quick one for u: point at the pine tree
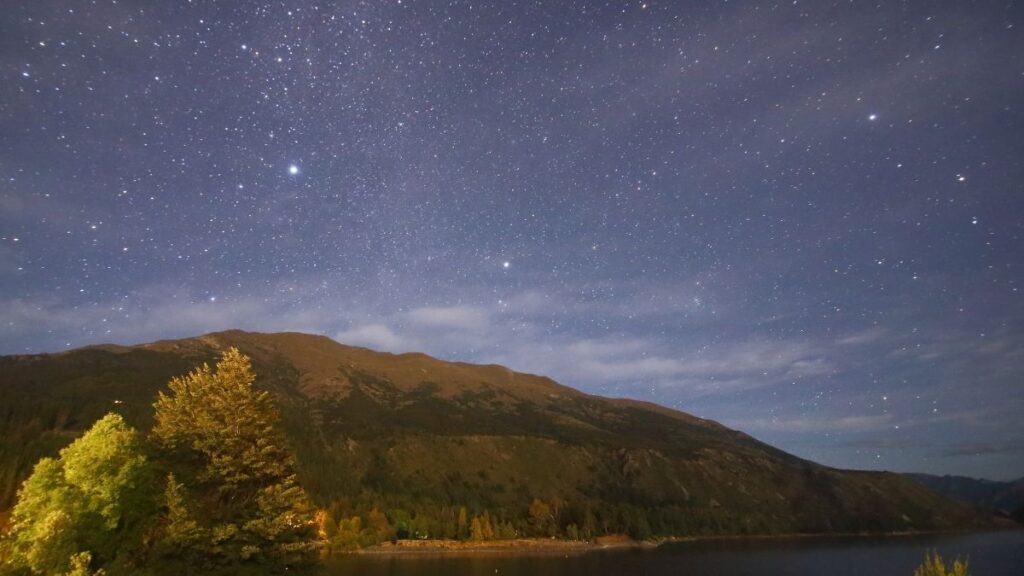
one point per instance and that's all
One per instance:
(182, 532)
(572, 532)
(463, 526)
(280, 509)
(476, 529)
(589, 529)
(486, 527)
(217, 415)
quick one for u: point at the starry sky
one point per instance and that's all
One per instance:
(801, 219)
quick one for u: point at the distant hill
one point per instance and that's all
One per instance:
(420, 438)
(1006, 497)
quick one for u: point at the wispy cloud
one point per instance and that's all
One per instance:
(375, 336)
(153, 313)
(981, 448)
(494, 333)
(469, 318)
(854, 423)
(701, 371)
(868, 336)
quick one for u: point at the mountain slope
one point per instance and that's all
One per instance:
(1007, 497)
(417, 436)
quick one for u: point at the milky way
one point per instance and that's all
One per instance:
(801, 219)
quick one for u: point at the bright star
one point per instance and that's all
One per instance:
(873, 117)
(506, 264)
(293, 169)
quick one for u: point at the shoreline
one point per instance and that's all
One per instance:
(548, 546)
(518, 546)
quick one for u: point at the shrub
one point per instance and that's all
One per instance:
(935, 566)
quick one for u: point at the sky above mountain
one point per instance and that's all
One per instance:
(801, 219)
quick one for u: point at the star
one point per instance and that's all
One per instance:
(506, 264)
(293, 169)
(872, 117)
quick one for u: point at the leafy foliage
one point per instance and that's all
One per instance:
(935, 566)
(80, 565)
(87, 503)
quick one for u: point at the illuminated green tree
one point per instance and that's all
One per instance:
(216, 417)
(85, 506)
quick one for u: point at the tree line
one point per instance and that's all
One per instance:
(210, 488)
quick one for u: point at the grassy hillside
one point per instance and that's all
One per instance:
(420, 439)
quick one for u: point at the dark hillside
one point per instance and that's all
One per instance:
(1005, 497)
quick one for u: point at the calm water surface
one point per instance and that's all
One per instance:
(991, 554)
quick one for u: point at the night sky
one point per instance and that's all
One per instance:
(801, 219)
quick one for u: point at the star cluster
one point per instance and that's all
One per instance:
(801, 219)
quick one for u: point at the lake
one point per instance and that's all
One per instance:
(990, 554)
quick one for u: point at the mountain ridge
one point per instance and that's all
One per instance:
(420, 438)
(1006, 497)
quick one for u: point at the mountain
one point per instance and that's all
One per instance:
(1006, 497)
(420, 438)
